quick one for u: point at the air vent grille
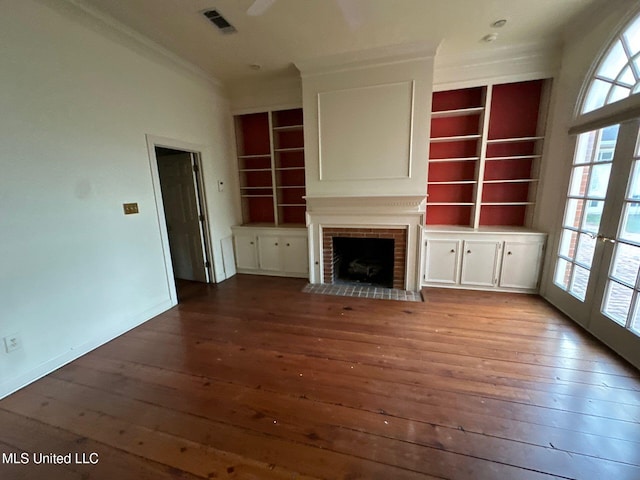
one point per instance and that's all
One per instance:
(219, 21)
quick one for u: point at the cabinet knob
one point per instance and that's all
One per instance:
(452, 251)
(508, 253)
(288, 244)
(276, 244)
(250, 243)
(468, 251)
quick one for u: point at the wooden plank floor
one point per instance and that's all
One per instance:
(253, 379)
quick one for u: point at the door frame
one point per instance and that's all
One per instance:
(156, 141)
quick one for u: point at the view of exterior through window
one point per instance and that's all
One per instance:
(583, 212)
(618, 75)
(620, 302)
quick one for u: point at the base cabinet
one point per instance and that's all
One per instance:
(271, 251)
(490, 259)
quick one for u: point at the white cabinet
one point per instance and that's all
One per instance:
(271, 251)
(488, 259)
(479, 263)
(442, 261)
(521, 264)
(246, 252)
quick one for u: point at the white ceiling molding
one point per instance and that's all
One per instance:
(497, 65)
(92, 18)
(366, 58)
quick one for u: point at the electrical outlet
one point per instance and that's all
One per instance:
(12, 343)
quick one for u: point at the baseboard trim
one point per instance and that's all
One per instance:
(14, 384)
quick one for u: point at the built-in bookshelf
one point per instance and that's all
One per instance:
(270, 148)
(485, 147)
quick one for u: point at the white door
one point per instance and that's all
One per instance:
(295, 255)
(442, 261)
(269, 253)
(479, 262)
(246, 252)
(596, 278)
(521, 264)
(179, 196)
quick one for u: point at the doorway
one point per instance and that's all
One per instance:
(183, 206)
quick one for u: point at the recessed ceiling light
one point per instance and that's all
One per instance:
(499, 23)
(490, 38)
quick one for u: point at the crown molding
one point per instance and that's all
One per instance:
(387, 55)
(496, 65)
(89, 16)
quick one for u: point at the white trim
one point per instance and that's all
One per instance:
(199, 150)
(132, 38)
(12, 385)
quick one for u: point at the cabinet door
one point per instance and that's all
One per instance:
(246, 251)
(521, 264)
(295, 255)
(442, 259)
(269, 253)
(479, 262)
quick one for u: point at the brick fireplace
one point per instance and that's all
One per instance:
(398, 235)
(395, 217)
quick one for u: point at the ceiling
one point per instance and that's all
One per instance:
(300, 30)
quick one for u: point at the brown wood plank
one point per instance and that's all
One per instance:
(252, 378)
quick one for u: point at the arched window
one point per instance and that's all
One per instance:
(618, 74)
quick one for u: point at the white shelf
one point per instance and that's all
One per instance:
(460, 204)
(454, 182)
(289, 168)
(294, 149)
(288, 128)
(256, 196)
(292, 205)
(507, 204)
(517, 180)
(454, 159)
(290, 186)
(266, 155)
(268, 187)
(458, 112)
(514, 157)
(254, 170)
(514, 140)
(455, 138)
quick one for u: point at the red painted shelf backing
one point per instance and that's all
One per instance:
(503, 215)
(450, 126)
(448, 215)
(514, 109)
(452, 171)
(457, 99)
(457, 149)
(284, 118)
(508, 169)
(260, 210)
(254, 128)
(450, 193)
(505, 192)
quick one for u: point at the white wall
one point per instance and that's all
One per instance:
(76, 105)
(588, 39)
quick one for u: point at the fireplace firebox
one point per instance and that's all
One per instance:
(365, 261)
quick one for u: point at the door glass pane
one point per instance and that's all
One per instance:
(579, 179)
(617, 302)
(579, 282)
(568, 243)
(599, 180)
(626, 259)
(593, 215)
(563, 273)
(635, 321)
(586, 247)
(573, 215)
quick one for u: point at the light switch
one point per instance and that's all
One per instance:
(130, 208)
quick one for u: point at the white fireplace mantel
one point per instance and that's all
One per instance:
(371, 211)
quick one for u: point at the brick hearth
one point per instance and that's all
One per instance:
(399, 235)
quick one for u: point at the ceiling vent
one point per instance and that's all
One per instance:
(219, 21)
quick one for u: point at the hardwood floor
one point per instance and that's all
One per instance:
(253, 379)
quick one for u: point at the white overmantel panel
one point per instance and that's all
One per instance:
(367, 122)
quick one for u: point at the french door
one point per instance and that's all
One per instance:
(596, 278)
